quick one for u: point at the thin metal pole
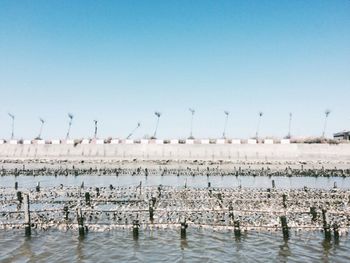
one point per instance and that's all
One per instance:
(155, 132)
(258, 127)
(327, 112)
(289, 125)
(192, 115)
(226, 119)
(95, 133)
(69, 125)
(41, 128)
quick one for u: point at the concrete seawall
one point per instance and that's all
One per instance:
(210, 152)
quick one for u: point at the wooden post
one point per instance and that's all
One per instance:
(273, 184)
(313, 213)
(97, 192)
(80, 222)
(285, 229)
(16, 185)
(66, 212)
(336, 231)
(284, 199)
(27, 227)
(151, 212)
(19, 197)
(237, 229)
(135, 229)
(231, 215)
(140, 188)
(159, 191)
(326, 226)
(184, 225)
(37, 188)
(87, 199)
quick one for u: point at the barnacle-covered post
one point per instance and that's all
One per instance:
(326, 226)
(135, 229)
(184, 226)
(27, 226)
(285, 229)
(80, 223)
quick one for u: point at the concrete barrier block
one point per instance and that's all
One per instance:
(114, 141)
(268, 141)
(13, 141)
(100, 141)
(55, 142)
(205, 141)
(69, 141)
(2, 141)
(236, 141)
(220, 141)
(128, 141)
(159, 142)
(189, 141)
(85, 141)
(251, 141)
(285, 141)
(144, 141)
(26, 142)
(174, 141)
(41, 142)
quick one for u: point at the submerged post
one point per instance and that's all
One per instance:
(285, 229)
(135, 229)
(151, 211)
(237, 229)
(326, 226)
(19, 197)
(273, 184)
(284, 199)
(231, 215)
(336, 231)
(37, 188)
(16, 185)
(27, 227)
(184, 226)
(87, 198)
(313, 213)
(80, 222)
(66, 212)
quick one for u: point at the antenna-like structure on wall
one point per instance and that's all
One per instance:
(289, 125)
(326, 113)
(95, 132)
(12, 125)
(227, 113)
(70, 116)
(158, 114)
(258, 126)
(192, 115)
(132, 132)
(42, 122)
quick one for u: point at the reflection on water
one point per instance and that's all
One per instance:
(173, 180)
(166, 245)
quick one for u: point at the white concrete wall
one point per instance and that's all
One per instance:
(231, 152)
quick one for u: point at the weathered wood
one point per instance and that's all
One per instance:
(285, 229)
(27, 226)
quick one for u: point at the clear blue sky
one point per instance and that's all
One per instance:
(119, 61)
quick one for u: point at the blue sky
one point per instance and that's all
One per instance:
(119, 61)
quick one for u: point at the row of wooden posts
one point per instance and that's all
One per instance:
(24, 198)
